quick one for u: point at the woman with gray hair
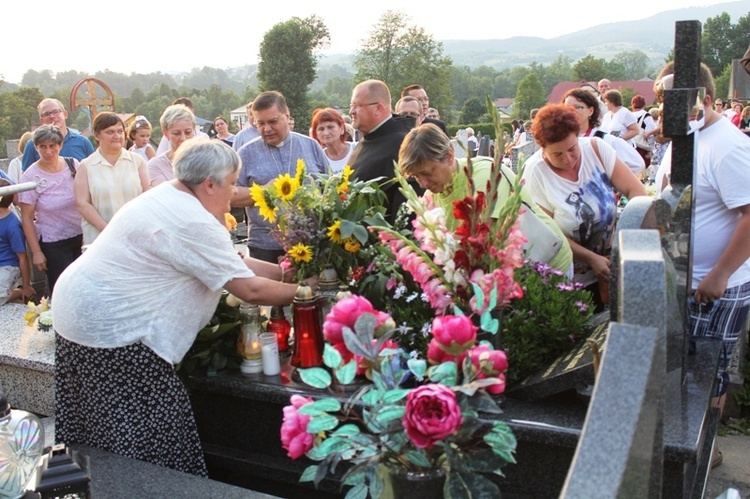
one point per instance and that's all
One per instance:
(177, 125)
(132, 305)
(51, 221)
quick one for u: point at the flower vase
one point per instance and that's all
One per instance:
(422, 484)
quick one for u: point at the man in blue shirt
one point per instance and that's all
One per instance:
(52, 112)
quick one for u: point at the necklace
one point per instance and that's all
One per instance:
(280, 167)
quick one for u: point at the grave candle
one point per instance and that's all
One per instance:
(308, 336)
(270, 351)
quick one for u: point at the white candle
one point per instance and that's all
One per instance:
(270, 351)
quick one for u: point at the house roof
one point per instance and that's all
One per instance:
(642, 87)
(504, 102)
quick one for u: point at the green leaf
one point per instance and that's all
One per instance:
(392, 396)
(324, 422)
(471, 388)
(346, 374)
(355, 345)
(346, 430)
(418, 367)
(376, 483)
(418, 458)
(320, 406)
(483, 402)
(331, 356)
(372, 397)
(333, 445)
(389, 413)
(488, 323)
(365, 328)
(347, 227)
(502, 441)
(309, 474)
(445, 373)
(359, 491)
(316, 377)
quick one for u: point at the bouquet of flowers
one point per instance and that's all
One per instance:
(321, 219)
(411, 418)
(472, 268)
(41, 314)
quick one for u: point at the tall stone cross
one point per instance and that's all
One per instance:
(682, 103)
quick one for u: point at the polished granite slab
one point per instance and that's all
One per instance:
(239, 417)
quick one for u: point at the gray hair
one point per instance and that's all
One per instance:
(49, 99)
(48, 133)
(199, 158)
(174, 113)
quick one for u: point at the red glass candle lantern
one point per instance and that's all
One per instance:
(308, 336)
(281, 327)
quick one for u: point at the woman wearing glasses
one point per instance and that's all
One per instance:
(51, 222)
(109, 178)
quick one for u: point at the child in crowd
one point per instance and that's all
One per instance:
(14, 263)
(140, 134)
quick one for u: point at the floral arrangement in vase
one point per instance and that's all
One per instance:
(322, 219)
(412, 418)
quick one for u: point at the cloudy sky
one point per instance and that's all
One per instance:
(169, 36)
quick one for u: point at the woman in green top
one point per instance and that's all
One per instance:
(426, 155)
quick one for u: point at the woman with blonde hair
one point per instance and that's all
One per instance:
(15, 165)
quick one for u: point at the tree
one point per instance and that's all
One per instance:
(18, 112)
(400, 55)
(288, 62)
(530, 94)
(634, 64)
(472, 111)
(590, 68)
(715, 42)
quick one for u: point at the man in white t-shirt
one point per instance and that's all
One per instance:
(721, 228)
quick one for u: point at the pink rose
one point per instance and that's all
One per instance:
(432, 414)
(454, 333)
(489, 363)
(294, 436)
(345, 313)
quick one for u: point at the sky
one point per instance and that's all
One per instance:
(165, 35)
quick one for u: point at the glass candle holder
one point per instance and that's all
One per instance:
(270, 352)
(248, 343)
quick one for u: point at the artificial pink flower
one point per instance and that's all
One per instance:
(432, 414)
(454, 333)
(489, 363)
(344, 314)
(294, 436)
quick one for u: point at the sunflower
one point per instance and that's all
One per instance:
(352, 245)
(267, 210)
(334, 232)
(300, 253)
(286, 187)
(343, 187)
(300, 171)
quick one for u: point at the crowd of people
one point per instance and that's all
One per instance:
(133, 243)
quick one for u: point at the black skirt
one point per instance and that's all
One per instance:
(125, 400)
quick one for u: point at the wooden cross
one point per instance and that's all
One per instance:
(93, 102)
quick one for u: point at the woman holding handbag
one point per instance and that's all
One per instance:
(574, 180)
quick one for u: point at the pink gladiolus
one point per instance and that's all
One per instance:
(294, 436)
(454, 333)
(432, 414)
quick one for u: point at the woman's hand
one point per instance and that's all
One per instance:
(39, 261)
(600, 265)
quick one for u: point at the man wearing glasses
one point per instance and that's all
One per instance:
(52, 112)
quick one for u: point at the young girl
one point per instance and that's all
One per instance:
(140, 133)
